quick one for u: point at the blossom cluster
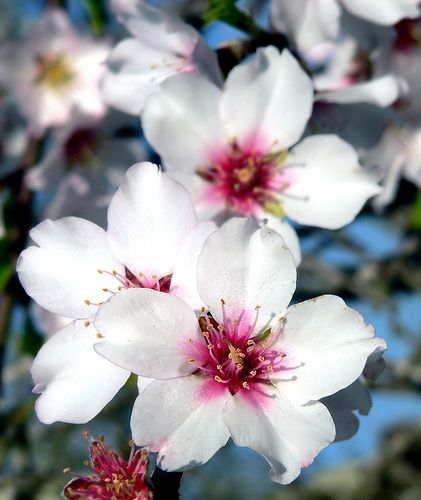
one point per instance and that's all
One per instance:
(189, 286)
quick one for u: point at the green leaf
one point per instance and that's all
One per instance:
(32, 340)
(227, 11)
(415, 222)
(97, 15)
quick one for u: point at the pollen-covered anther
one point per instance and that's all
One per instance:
(86, 323)
(100, 336)
(245, 385)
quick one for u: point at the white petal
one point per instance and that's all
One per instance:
(184, 279)
(62, 271)
(147, 332)
(342, 405)
(308, 22)
(329, 186)
(148, 218)
(385, 12)
(75, 383)
(182, 121)
(288, 234)
(182, 420)
(381, 91)
(160, 30)
(206, 204)
(135, 73)
(246, 266)
(288, 436)
(327, 346)
(267, 100)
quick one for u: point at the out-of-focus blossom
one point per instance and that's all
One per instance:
(398, 154)
(346, 79)
(153, 241)
(112, 477)
(230, 147)
(310, 22)
(162, 45)
(84, 166)
(246, 367)
(54, 72)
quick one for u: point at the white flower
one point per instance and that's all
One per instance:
(230, 147)
(345, 79)
(152, 241)
(55, 72)
(310, 23)
(398, 154)
(246, 367)
(163, 45)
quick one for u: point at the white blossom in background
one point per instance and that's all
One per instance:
(161, 45)
(152, 241)
(54, 72)
(398, 154)
(247, 366)
(84, 166)
(346, 78)
(233, 148)
(310, 22)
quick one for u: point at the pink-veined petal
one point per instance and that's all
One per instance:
(182, 420)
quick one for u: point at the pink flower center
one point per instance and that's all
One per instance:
(129, 280)
(247, 178)
(232, 354)
(112, 477)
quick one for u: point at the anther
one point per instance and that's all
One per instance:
(217, 378)
(250, 342)
(100, 336)
(253, 373)
(87, 302)
(222, 301)
(86, 462)
(99, 270)
(239, 366)
(105, 290)
(246, 385)
(210, 346)
(87, 323)
(261, 358)
(189, 341)
(191, 360)
(66, 470)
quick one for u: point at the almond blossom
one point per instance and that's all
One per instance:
(311, 22)
(112, 477)
(55, 72)
(247, 366)
(152, 241)
(162, 45)
(346, 78)
(231, 147)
